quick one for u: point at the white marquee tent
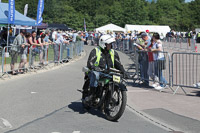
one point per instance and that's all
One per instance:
(110, 27)
(162, 30)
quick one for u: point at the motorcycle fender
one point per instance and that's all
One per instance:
(122, 87)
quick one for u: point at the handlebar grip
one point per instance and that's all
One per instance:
(115, 70)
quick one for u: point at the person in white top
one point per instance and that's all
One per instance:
(159, 59)
(58, 42)
(54, 35)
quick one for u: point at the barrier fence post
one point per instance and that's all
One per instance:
(1, 63)
(3, 57)
(46, 54)
(30, 57)
(72, 49)
(61, 52)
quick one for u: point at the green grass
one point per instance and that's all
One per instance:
(8, 59)
(50, 57)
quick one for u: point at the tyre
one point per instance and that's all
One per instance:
(85, 94)
(120, 103)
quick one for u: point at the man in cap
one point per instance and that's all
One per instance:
(144, 42)
(146, 39)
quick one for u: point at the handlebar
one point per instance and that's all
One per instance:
(114, 70)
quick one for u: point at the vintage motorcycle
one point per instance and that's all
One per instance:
(109, 97)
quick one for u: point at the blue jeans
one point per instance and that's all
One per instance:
(144, 63)
(94, 77)
(159, 74)
(56, 52)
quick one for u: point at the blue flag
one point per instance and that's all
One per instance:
(40, 10)
(11, 12)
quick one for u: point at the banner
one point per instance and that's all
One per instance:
(40, 10)
(11, 12)
(84, 25)
(25, 9)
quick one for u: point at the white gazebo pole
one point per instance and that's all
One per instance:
(15, 28)
(36, 29)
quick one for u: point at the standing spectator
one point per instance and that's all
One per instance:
(54, 35)
(18, 42)
(47, 40)
(86, 38)
(118, 41)
(58, 42)
(96, 38)
(144, 62)
(151, 68)
(34, 49)
(24, 52)
(157, 50)
(189, 37)
(74, 36)
(41, 42)
(198, 37)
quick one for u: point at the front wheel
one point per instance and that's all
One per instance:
(85, 94)
(115, 106)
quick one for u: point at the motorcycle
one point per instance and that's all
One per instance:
(109, 97)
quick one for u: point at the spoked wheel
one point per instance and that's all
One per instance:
(86, 93)
(114, 108)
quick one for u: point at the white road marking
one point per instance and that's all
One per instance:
(6, 123)
(56, 132)
(76, 131)
(33, 92)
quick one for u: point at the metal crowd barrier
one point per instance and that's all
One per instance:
(157, 70)
(185, 70)
(181, 69)
(125, 45)
(37, 57)
(180, 44)
(64, 53)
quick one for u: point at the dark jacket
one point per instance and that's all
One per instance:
(105, 59)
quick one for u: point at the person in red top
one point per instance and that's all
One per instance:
(33, 43)
(151, 68)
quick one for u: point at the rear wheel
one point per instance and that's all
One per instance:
(115, 106)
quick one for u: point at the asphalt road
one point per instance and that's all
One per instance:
(50, 103)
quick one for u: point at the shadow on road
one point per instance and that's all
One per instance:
(78, 107)
(36, 120)
(74, 106)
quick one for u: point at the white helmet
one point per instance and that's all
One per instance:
(105, 39)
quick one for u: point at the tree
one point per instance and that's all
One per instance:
(175, 13)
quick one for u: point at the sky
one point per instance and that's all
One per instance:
(188, 0)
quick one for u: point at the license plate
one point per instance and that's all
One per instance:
(116, 79)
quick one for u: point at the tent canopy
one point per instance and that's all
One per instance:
(20, 19)
(42, 26)
(110, 27)
(152, 28)
(58, 26)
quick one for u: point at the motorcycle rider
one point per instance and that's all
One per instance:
(102, 58)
